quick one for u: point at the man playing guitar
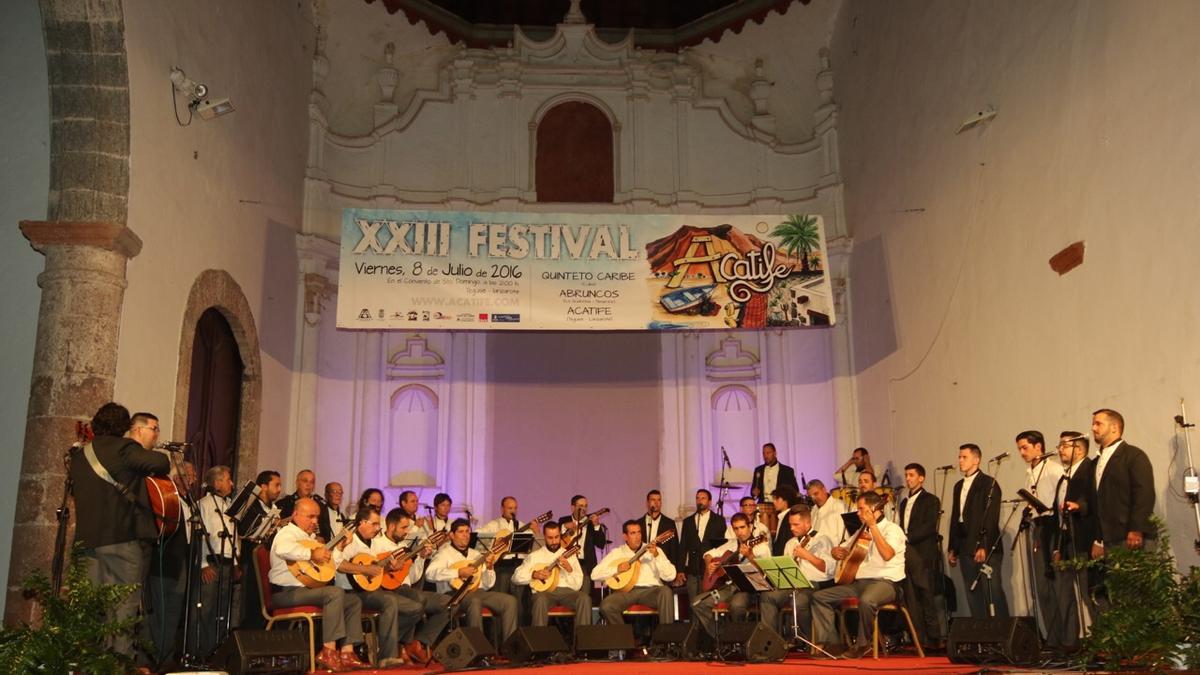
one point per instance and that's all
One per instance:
(875, 582)
(418, 644)
(730, 552)
(540, 566)
(654, 570)
(459, 561)
(813, 552)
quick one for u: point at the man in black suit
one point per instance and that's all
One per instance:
(1077, 529)
(974, 527)
(918, 516)
(167, 583)
(1124, 486)
(655, 523)
(114, 522)
(702, 532)
(785, 498)
(592, 537)
(771, 474)
(306, 487)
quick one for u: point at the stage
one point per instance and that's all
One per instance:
(796, 666)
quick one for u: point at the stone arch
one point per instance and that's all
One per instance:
(217, 289)
(89, 110)
(573, 142)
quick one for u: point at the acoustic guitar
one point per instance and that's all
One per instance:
(503, 540)
(573, 528)
(316, 575)
(624, 581)
(551, 582)
(164, 496)
(718, 577)
(847, 568)
(394, 578)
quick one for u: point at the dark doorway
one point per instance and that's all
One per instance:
(214, 394)
(574, 155)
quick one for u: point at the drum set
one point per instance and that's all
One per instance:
(849, 495)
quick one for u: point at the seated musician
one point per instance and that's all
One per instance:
(875, 581)
(750, 507)
(460, 561)
(341, 617)
(418, 643)
(441, 515)
(815, 559)
(868, 482)
(540, 565)
(398, 615)
(654, 570)
(730, 552)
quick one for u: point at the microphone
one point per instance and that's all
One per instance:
(1047, 455)
(1180, 422)
(948, 467)
(1000, 457)
(725, 458)
(174, 446)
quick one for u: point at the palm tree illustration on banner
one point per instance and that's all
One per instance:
(798, 235)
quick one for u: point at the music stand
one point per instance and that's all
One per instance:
(784, 573)
(1033, 501)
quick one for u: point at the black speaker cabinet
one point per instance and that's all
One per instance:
(603, 638)
(676, 640)
(1011, 640)
(761, 642)
(463, 648)
(247, 652)
(533, 642)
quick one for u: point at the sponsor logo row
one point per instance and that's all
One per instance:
(426, 315)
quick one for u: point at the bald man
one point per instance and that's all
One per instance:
(341, 618)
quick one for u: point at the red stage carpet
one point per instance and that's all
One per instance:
(795, 666)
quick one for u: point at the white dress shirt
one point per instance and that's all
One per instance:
(487, 535)
(827, 520)
(442, 570)
(962, 493)
(770, 479)
(653, 571)
(875, 567)
(286, 548)
(1102, 461)
(651, 525)
(380, 544)
(820, 546)
(216, 524)
(1041, 480)
(908, 507)
(542, 557)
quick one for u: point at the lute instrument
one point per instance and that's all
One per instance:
(624, 581)
(718, 577)
(316, 575)
(503, 540)
(403, 561)
(551, 582)
(574, 527)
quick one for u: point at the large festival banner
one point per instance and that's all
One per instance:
(553, 271)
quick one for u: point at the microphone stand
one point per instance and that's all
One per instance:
(943, 610)
(1066, 525)
(191, 625)
(985, 568)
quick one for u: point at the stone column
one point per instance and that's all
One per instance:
(74, 368)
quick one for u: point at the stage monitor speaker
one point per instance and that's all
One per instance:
(463, 648)
(676, 640)
(533, 642)
(247, 652)
(761, 642)
(604, 638)
(1010, 640)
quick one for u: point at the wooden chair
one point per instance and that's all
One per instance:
(896, 606)
(299, 615)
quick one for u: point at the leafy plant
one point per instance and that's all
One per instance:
(1152, 611)
(799, 237)
(73, 635)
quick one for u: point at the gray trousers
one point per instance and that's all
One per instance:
(655, 596)
(124, 563)
(503, 606)
(341, 612)
(214, 602)
(771, 602)
(398, 616)
(871, 593)
(739, 607)
(433, 609)
(577, 600)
